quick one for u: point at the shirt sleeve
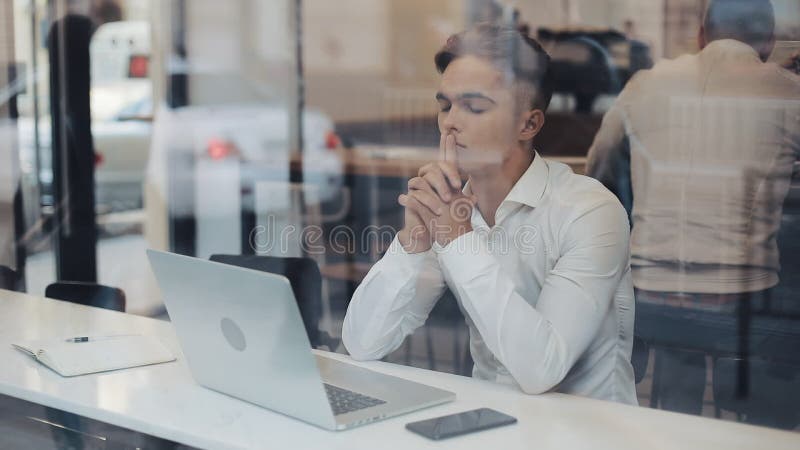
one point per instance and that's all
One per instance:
(394, 299)
(539, 345)
(609, 158)
(608, 143)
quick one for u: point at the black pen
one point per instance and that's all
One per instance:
(98, 338)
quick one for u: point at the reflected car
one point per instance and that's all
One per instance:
(121, 140)
(207, 163)
(121, 108)
(123, 124)
(255, 136)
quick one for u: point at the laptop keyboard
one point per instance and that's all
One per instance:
(344, 401)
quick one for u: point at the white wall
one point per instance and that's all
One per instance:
(361, 56)
(787, 17)
(240, 52)
(345, 36)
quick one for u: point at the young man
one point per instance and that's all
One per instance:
(536, 255)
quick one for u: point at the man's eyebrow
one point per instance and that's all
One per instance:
(466, 96)
(475, 95)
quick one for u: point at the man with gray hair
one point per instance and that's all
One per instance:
(712, 138)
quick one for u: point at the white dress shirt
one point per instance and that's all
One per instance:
(713, 137)
(546, 292)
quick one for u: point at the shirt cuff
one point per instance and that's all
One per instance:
(397, 254)
(466, 256)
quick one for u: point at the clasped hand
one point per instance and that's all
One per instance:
(436, 210)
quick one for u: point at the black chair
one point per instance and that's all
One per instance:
(306, 281)
(445, 314)
(639, 357)
(772, 398)
(89, 294)
(8, 278)
(766, 338)
(582, 65)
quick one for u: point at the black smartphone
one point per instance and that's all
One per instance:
(462, 423)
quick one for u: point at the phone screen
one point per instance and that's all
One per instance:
(461, 423)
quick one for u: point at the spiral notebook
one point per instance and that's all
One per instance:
(97, 354)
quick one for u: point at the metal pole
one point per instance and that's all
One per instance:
(35, 91)
(296, 131)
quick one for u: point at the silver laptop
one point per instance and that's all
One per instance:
(242, 335)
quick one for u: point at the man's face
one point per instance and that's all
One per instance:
(478, 107)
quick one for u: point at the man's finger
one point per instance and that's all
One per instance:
(451, 172)
(438, 182)
(429, 200)
(442, 142)
(451, 157)
(416, 226)
(415, 206)
(412, 205)
(433, 175)
(419, 184)
(450, 149)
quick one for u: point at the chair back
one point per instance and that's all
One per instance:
(303, 275)
(89, 294)
(8, 278)
(639, 356)
(289, 221)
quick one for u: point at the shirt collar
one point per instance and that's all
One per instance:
(530, 187)
(528, 190)
(730, 49)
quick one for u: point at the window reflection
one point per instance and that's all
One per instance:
(287, 128)
(705, 144)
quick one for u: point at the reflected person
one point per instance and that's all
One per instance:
(712, 138)
(536, 256)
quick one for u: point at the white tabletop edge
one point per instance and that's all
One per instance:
(541, 417)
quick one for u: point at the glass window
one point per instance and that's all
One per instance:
(334, 131)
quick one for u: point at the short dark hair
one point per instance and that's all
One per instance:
(748, 21)
(514, 53)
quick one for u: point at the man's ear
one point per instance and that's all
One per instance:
(533, 121)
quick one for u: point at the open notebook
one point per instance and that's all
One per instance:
(106, 353)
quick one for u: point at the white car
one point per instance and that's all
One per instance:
(194, 147)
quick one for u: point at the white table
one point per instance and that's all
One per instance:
(164, 401)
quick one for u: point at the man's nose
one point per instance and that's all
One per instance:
(450, 123)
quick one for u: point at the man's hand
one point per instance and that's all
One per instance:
(414, 237)
(435, 198)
